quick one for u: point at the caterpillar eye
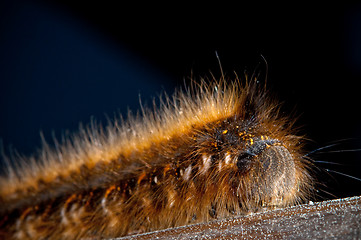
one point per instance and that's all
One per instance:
(244, 161)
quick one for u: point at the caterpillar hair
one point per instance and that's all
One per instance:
(214, 150)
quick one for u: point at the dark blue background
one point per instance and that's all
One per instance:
(64, 63)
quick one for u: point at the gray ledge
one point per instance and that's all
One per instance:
(333, 219)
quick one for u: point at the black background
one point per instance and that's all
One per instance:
(64, 63)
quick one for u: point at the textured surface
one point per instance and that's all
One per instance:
(334, 219)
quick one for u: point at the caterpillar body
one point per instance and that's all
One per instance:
(215, 150)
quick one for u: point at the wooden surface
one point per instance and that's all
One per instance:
(334, 219)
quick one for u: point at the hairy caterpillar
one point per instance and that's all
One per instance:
(215, 150)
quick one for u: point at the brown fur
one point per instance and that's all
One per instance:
(216, 150)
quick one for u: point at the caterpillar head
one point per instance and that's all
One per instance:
(256, 157)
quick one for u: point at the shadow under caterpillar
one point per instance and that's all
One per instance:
(216, 150)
